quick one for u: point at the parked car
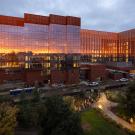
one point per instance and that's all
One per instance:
(123, 80)
(132, 76)
(61, 85)
(16, 92)
(93, 84)
(84, 83)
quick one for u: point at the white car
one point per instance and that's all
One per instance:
(84, 83)
(123, 80)
(93, 84)
(61, 85)
(58, 85)
(132, 75)
(54, 85)
(76, 90)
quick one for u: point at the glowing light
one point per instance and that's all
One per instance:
(100, 106)
(131, 120)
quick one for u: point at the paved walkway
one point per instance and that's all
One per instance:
(105, 106)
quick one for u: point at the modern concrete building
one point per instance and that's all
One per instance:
(51, 48)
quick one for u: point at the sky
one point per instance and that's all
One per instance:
(103, 15)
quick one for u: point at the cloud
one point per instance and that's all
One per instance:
(106, 15)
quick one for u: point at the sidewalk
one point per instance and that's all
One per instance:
(104, 105)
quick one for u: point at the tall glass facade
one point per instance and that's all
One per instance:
(57, 38)
(32, 44)
(44, 41)
(98, 46)
(35, 38)
(11, 38)
(126, 46)
(73, 39)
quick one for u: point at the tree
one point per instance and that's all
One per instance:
(36, 96)
(28, 110)
(5, 98)
(7, 119)
(59, 119)
(28, 115)
(130, 99)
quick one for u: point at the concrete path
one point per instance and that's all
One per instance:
(105, 106)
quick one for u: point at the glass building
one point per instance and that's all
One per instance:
(126, 46)
(53, 42)
(98, 46)
(39, 41)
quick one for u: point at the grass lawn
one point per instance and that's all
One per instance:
(94, 124)
(121, 112)
(116, 95)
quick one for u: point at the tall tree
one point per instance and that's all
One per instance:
(7, 119)
(130, 99)
(59, 119)
(28, 115)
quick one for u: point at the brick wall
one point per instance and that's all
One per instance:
(94, 71)
(34, 76)
(11, 76)
(67, 77)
